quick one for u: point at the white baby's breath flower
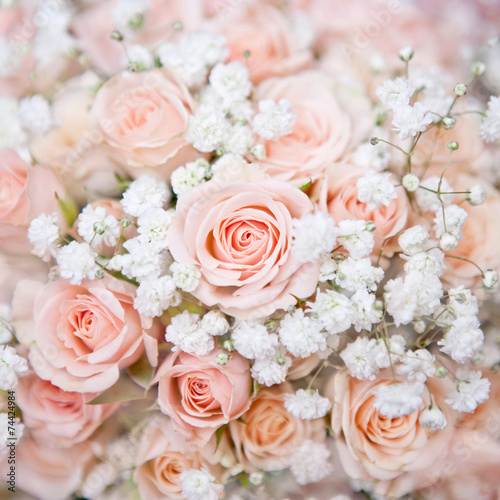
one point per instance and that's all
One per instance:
(274, 120)
(12, 366)
(355, 237)
(490, 126)
(448, 242)
(395, 93)
(413, 239)
(307, 405)
(199, 485)
(359, 357)
(408, 120)
(375, 190)
(252, 340)
(127, 15)
(417, 365)
(429, 201)
(144, 193)
(387, 352)
(76, 262)
(97, 228)
(35, 114)
(187, 334)
(355, 274)
(429, 262)
(208, 128)
(366, 313)
(153, 226)
(301, 335)
(154, 295)
(490, 279)
(334, 310)
(372, 157)
(215, 323)
(313, 235)
(142, 259)
(452, 222)
(138, 57)
(397, 400)
(476, 195)
(328, 268)
(239, 139)
(471, 391)
(189, 176)
(461, 302)
(432, 418)
(309, 462)
(463, 340)
(271, 370)
(186, 276)
(43, 234)
(231, 81)
(410, 182)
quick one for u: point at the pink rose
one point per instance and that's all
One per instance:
(143, 116)
(328, 123)
(372, 446)
(239, 234)
(270, 433)
(51, 473)
(80, 336)
(339, 197)
(21, 199)
(57, 417)
(200, 395)
(266, 33)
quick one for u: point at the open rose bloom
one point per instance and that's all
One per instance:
(249, 250)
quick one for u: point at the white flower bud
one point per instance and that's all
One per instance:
(419, 326)
(490, 278)
(441, 372)
(410, 182)
(478, 68)
(370, 226)
(406, 53)
(449, 122)
(256, 478)
(460, 89)
(453, 146)
(448, 242)
(433, 418)
(222, 358)
(258, 151)
(476, 195)
(228, 345)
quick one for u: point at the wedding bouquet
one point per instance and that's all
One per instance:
(249, 249)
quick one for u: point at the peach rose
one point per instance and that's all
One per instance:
(80, 336)
(200, 395)
(374, 447)
(51, 473)
(143, 116)
(21, 199)
(270, 434)
(266, 33)
(239, 233)
(324, 129)
(162, 456)
(339, 197)
(57, 417)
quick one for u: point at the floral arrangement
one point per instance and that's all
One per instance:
(249, 249)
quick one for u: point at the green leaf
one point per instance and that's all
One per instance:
(218, 436)
(141, 372)
(124, 390)
(69, 210)
(242, 421)
(306, 186)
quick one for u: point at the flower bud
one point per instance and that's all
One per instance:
(222, 358)
(432, 418)
(125, 222)
(99, 274)
(406, 53)
(419, 326)
(490, 279)
(258, 151)
(177, 25)
(460, 89)
(374, 141)
(448, 242)
(228, 345)
(256, 478)
(116, 35)
(449, 122)
(370, 226)
(441, 372)
(410, 182)
(453, 146)
(476, 195)
(478, 68)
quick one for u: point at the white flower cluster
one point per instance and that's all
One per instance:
(199, 485)
(307, 405)
(12, 366)
(186, 332)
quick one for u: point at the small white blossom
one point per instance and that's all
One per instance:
(43, 234)
(12, 366)
(359, 357)
(355, 274)
(231, 81)
(354, 236)
(395, 93)
(417, 365)
(364, 306)
(410, 182)
(144, 193)
(215, 323)
(490, 126)
(448, 242)
(408, 120)
(187, 334)
(372, 157)
(35, 115)
(375, 190)
(76, 262)
(461, 302)
(453, 221)
(413, 239)
(142, 259)
(429, 201)
(252, 340)
(207, 129)
(406, 53)
(301, 335)
(432, 418)
(199, 485)
(138, 57)
(396, 400)
(334, 310)
(388, 351)
(153, 226)
(309, 462)
(476, 195)
(154, 295)
(274, 120)
(471, 391)
(97, 228)
(190, 176)
(186, 276)
(429, 262)
(313, 235)
(127, 15)
(271, 370)
(328, 268)
(490, 279)
(463, 340)
(307, 405)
